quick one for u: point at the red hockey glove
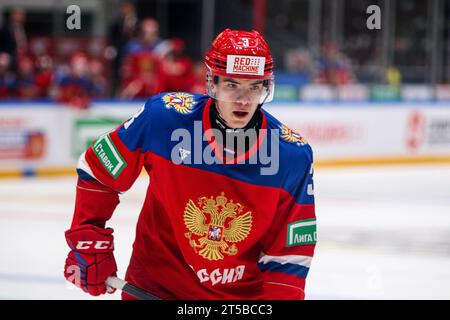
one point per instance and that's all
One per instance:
(91, 260)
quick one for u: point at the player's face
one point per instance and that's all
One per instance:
(237, 100)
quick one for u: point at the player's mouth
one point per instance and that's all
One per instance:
(240, 114)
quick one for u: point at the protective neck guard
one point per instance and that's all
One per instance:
(231, 136)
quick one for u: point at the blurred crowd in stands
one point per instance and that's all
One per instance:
(135, 64)
(330, 67)
(140, 64)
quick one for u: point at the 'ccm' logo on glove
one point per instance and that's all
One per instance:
(99, 245)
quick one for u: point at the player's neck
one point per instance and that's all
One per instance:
(231, 135)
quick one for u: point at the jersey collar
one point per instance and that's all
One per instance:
(217, 148)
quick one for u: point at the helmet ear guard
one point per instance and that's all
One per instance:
(269, 84)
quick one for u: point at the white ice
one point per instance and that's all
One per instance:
(384, 233)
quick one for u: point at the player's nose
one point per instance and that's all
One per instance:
(243, 100)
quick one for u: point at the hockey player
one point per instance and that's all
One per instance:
(214, 225)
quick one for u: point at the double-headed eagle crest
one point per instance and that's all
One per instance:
(290, 135)
(218, 225)
(180, 101)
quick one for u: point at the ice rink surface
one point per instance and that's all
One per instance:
(384, 233)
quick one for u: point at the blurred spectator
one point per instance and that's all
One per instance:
(27, 88)
(148, 39)
(8, 83)
(120, 33)
(393, 76)
(141, 65)
(100, 85)
(13, 39)
(199, 71)
(333, 67)
(44, 75)
(299, 61)
(299, 67)
(175, 72)
(76, 88)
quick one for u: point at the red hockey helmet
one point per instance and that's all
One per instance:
(240, 54)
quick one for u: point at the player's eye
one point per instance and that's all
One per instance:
(231, 85)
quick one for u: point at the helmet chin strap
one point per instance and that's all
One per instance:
(216, 117)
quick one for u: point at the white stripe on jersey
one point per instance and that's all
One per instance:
(293, 259)
(83, 165)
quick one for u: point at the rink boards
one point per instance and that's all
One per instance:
(47, 138)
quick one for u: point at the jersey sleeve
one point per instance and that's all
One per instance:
(289, 247)
(110, 166)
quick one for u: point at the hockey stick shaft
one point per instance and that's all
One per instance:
(120, 284)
